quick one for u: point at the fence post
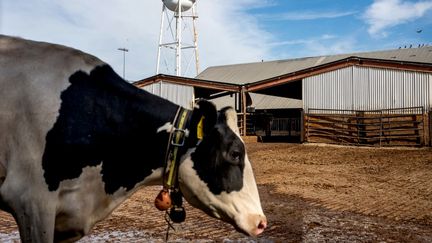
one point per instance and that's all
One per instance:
(381, 128)
(360, 127)
(417, 129)
(302, 126)
(430, 127)
(243, 109)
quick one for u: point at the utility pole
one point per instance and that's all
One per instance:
(124, 50)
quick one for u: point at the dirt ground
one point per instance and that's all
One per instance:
(310, 193)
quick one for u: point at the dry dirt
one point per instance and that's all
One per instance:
(309, 193)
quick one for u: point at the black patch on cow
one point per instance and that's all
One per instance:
(219, 159)
(103, 119)
(205, 109)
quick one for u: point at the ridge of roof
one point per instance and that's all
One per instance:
(255, 71)
(342, 55)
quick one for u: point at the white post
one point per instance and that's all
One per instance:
(178, 38)
(124, 50)
(194, 17)
(160, 38)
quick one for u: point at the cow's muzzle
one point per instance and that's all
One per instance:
(260, 223)
(253, 226)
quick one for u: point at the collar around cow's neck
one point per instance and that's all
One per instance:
(179, 143)
(170, 196)
(176, 145)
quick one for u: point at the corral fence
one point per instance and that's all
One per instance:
(281, 127)
(258, 125)
(387, 127)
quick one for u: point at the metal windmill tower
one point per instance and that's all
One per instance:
(178, 44)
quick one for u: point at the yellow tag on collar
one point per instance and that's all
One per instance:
(200, 128)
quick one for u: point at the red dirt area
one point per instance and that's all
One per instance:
(310, 193)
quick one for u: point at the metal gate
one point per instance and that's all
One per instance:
(388, 127)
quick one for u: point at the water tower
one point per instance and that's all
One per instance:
(178, 49)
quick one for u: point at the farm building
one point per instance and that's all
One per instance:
(373, 98)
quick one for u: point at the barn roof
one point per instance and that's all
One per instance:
(253, 72)
(273, 84)
(261, 102)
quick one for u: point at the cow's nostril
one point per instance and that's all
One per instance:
(262, 225)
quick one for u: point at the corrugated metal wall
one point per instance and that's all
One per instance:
(180, 94)
(363, 88)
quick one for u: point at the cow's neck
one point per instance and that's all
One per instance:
(104, 120)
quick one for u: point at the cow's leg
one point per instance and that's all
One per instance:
(32, 205)
(35, 221)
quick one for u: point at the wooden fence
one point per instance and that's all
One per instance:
(389, 127)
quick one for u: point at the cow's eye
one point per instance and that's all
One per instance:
(235, 156)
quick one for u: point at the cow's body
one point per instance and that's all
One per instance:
(77, 140)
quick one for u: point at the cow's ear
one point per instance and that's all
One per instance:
(203, 120)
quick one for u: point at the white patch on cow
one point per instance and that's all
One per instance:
(86, 195)
(168, 127)
(83, 200)
(231, 119)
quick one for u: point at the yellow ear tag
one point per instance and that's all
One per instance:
(200, 128)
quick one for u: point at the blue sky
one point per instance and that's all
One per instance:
(230, 31)
(321, 27)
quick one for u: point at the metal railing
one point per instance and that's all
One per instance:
(387, 127)
(281, 127)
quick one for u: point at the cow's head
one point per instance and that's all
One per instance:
(216, 175)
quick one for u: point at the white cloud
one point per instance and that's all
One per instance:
(227, 34)
(383, 14)
(310, 41)
(340, 46)
(308, 15)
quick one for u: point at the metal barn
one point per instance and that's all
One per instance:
(182, 95)
(367, 88)
(381, 98)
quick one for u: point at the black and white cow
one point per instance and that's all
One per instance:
(76, 140)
